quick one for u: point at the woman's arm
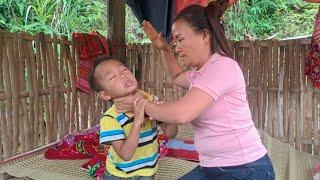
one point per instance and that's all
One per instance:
(177, 75)
(169, 130)
(188, 108)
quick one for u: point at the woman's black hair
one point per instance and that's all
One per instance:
(201, 18)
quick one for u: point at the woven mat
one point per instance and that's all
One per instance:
(37, 167)
(288, 162)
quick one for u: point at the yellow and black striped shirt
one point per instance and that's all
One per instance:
(115, 126)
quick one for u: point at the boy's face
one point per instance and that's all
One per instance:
(114, 79)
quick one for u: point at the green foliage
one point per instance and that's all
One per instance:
(134, 32)
(256, 19)
(260, 19)
(59, 17)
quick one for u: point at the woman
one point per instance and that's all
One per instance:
(226, 139)
(312, 67)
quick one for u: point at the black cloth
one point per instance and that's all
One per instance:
(158, 13)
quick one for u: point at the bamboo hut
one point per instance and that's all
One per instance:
(40, 104)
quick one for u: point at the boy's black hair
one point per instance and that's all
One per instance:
(93, 84)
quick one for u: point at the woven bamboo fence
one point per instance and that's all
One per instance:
(39, 102)
(282, 100)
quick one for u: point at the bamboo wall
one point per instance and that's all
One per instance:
(39, 102)
(282, 100)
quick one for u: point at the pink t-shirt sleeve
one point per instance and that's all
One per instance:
(218, 77)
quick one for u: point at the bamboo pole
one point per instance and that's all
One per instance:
(24, 123)
(307, 102)
(292, 100)
(275, 85)
(7, 90)
(31, 81)
(280, 91)
(286, 102)
(168, 96)
(14, 91)
(92, 120)
(55, 81)
(3, 122)
(143, 67)
(83, 110)
(36, 92)
(65, 49)
(158, 75)
(316, 127)
(270, 120)
(299, 119)
(19, 82)
(264, 72)
(60, 84)
(258, 79)
(72, 67)
(49, 70)
(47, 84)
(147, 75)
(66, 57)
(152, 70)
(251, 95)
(245, 64)
(39, 59)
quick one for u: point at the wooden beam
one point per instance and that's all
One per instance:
(116, 30)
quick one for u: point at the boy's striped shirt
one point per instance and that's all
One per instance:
(115, 126)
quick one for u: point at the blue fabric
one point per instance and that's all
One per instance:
(261, 169)
(179, 144)
(158, 13)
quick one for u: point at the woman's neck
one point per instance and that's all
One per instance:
(204, 59)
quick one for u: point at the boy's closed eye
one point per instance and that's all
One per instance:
(124, 69)
(111, 76)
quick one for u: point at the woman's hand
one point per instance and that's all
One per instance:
(156, 38)
(125, 104)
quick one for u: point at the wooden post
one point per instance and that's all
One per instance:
(116, 29)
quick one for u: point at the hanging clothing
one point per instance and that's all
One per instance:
(89, 46)
(158, 13)
(312, 64)
(181, 4)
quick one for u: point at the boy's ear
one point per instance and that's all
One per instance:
(103, 95)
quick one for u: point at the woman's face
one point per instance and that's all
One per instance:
(191, 46)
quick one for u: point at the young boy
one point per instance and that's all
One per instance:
(134, 147)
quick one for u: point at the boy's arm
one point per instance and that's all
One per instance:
(169, 130)
(126, 148)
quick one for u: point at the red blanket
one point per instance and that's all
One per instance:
(85, 145)
(82, 145)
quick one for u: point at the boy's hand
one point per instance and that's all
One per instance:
(156, 38)
(139, 105)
